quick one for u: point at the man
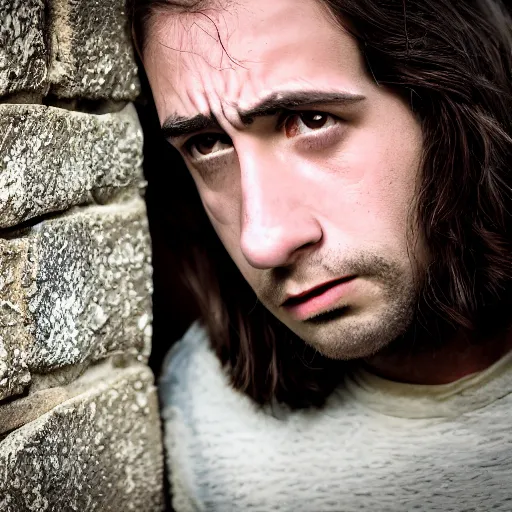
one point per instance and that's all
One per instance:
(352, 157)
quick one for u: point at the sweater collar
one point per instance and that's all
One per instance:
(397, 399)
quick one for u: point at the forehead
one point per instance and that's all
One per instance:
(230, 57)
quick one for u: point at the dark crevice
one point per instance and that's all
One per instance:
(44, 379)
(119, 197)
(83, 105)
(76, 379)
(5, 434)
(22, 98)
(15, 397)
(21, 229)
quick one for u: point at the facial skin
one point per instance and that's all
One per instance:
(317, 190)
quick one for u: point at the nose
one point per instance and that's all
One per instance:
(276, 220)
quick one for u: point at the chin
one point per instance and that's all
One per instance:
(346, 336)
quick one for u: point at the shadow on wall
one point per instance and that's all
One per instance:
(173, 305)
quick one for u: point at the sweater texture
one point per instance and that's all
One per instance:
(376, 445)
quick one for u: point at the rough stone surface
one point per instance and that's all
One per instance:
(74, 289)
(23, 53)
(92, 54)
(46, 391)
(79, 420)
(18, 412)
(52, 159)
(99, 451)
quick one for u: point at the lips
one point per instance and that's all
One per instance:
(318, 299)
(314, 292)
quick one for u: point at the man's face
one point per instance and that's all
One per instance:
(309, 171)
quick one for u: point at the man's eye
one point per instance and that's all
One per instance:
(208, 143)
(306, 122)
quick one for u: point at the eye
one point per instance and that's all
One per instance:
(206, 144)
(306, 122)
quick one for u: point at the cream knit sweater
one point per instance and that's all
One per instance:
(376, 446)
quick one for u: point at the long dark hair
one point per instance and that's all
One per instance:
(453, 62)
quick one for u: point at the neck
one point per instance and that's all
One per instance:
(455, 359)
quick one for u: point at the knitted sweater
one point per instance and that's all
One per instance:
(377, 445)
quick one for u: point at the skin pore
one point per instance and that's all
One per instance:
(308, 171)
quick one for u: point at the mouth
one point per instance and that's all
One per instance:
(319, 299)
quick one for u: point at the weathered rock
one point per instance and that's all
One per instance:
(92, 55)
(74, 289)
(46, 391)
(23, 52)
(18, 412)
(52, 159)
(99, 451)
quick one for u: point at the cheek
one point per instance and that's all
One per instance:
(376, 181)
(388, 166)
(398, 182)
(219, 190)
(221, 212)
(225, 220)
(229, 236)
(387, 196)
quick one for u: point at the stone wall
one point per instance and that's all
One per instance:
(79, 423)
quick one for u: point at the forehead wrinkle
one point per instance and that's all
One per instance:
(212, 114)
(218, 107)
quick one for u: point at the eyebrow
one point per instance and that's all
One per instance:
(178, 126)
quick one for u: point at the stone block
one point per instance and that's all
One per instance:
(98, 451)
(52, 159)
(74, 289)
(92, 54)
(23, 51)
